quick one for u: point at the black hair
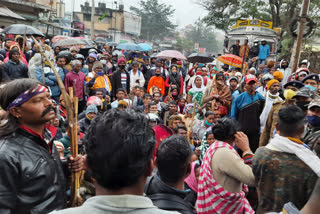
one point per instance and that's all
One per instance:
(208, 133)
(290, 120)
(119, 146)
(172, 102)
(61, 56)
(152, 104)
(173, 65)
(121, 89)
(8, 93)
(147, 96)
(136, 87)
(156, 93)
(142, 88)
(13, 51)
(180, 126)
(173, 158)
(208, 113)
(220, 75)
(225, 129)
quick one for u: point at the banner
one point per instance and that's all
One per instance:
(132, 24)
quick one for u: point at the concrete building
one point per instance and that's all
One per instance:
(116, 25)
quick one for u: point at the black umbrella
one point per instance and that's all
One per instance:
(20, 29)
(200, 58)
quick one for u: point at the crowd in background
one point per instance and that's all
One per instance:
(222, 139)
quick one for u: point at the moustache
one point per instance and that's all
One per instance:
(47, 110)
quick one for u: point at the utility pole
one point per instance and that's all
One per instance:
(92, 20)
(298, 44)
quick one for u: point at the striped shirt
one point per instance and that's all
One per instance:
(124, 80)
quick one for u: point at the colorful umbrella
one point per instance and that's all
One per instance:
(169, 54)
(200, 58)
(129, 46)
(56, 39)
(145, 46)
(231, 60)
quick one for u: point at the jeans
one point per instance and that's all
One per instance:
(261, 61)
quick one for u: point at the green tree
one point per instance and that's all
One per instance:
(156, 22)
(203, 35)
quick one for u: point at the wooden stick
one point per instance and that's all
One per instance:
(24, 40)
(75, 192)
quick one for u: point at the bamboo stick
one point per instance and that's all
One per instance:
(71, 110)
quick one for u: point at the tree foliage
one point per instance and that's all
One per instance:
(203, 35)
(156, 22)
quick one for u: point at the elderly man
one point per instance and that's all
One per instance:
(32, 178)
(76, 79)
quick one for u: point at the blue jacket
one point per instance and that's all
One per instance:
(85, 71)
(51, 80)
(264, 51)
(12, 70)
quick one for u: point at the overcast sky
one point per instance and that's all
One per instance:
(187, 11)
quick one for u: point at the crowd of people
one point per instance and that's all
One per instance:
(155, 136)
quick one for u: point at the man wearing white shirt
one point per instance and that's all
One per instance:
(120, 96)
(136, 76)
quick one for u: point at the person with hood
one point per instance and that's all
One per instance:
(91, 112)
(197, 91)
(219, 93)
(285, 169)
(121, 78)
(166, 189)
(136, 76)
(264, 52)
(34, 63)
(50, 79)
(223, 172)
(175, 79)
(14, 68)
(286, 71)
(22, 58)
(97, 79)
(264, 81)
(272, 95)
(91, 59)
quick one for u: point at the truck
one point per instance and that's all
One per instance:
(254, 30)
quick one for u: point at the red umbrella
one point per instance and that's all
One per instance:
(231, 60)
(169, 54)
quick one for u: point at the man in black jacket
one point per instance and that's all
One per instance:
(14, 69)
(166, 189)
(120, 79)
(32, 179)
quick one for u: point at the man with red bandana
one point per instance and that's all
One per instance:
(32, 177)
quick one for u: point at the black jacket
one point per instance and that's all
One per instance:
(12, 70)
(84, 124)
(116, 82)
(166, 197)
(31, 180)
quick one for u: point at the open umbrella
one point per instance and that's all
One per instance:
(112, 44)
(231, 60)
(200, 58)
(169, 54)
(20, 29)
(129, 46)
(145, 46)
(71, 42)
(100, 40)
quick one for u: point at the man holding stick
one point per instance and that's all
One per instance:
(32, 178)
